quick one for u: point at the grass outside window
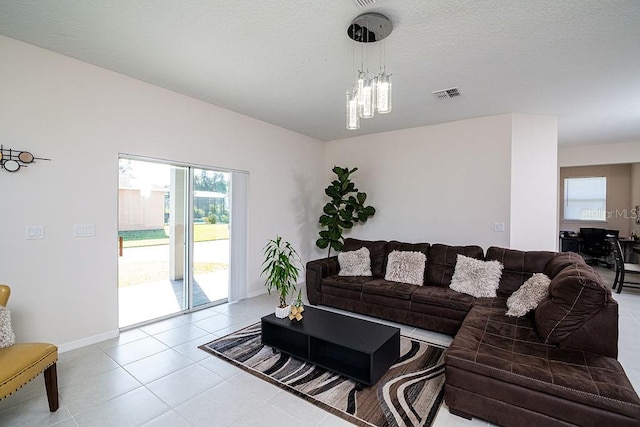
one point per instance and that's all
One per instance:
(201, 233)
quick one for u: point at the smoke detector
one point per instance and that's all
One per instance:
(364, 3)
(447, 93)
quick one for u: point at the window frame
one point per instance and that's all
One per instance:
(585, 206)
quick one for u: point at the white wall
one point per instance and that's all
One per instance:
(64, 289)
(447, 183)
(603, 154)
(534, 182)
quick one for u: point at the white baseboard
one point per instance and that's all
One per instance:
(256, 293)
(263, 291)
(63, 348)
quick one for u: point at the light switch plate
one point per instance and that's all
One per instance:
(84, 230)
(34, 232)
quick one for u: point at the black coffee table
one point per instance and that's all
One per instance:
(356, 348)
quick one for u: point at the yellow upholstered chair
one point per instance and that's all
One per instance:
(21, 363)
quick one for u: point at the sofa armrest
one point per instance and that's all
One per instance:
(598, 335)
(316, 271)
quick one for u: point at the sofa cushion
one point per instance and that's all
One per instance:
(509, 350)
(560, 262)
(376, 252)
(475, 277)
(395, 245)
(389, 289)
(355, 263)
(343, 293)
(386, 303)
(441, 262)
(346, 282)
(443, 297)
(576, 294)
(530, 294)
(406, 267)
(519, 266)
(7, 337)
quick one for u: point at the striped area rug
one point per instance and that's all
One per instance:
(409, 394)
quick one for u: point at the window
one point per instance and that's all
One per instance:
(585, 199)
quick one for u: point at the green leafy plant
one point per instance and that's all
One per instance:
(344, 210)
(281, 266)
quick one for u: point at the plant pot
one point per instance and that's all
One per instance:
(283, 312)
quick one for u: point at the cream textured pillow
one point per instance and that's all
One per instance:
(475, 277)
(7, 338)
(530, 294)
(355, 263)
(406, 267)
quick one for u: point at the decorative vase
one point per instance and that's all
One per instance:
(282, 312)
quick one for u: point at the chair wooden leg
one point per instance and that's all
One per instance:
(51, 384)
(621, 280)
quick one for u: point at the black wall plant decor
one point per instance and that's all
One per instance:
(344, 210)
(12, 160)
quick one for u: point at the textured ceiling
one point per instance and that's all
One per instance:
(289, 62)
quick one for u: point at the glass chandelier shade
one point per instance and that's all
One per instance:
(383, 101)
(371, 93)
(353, 118)
(367, 97)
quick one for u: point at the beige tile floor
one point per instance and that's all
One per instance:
(156, 376)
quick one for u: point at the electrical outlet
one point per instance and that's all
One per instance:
(34, 232)
(498, 226)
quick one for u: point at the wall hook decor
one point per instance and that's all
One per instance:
(12, 160)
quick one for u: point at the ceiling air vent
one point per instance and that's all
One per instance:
(364, 3)
(447, 93)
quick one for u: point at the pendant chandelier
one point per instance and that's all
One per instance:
(370, 92)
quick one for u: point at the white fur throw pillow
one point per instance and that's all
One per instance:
(406, 267)
(528, 296)
(475, 277)
(7, 338)
(355, 263)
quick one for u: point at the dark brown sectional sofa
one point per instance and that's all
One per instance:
(556, 366)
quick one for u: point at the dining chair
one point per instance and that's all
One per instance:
(622, 268)
(595, 245)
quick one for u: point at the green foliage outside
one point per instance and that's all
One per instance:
(218, 215)
(206, 181)
(211, 209)
(142, 234)
(198, 213)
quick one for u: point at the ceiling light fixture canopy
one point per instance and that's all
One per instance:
(370, 92)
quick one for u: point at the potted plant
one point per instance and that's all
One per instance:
(345, 208)
(281, 266)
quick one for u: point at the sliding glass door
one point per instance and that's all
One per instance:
(173, 239)
(211, 214)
